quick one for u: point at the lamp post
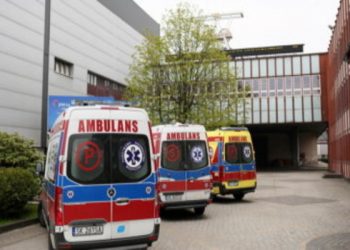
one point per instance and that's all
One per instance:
(45, 87)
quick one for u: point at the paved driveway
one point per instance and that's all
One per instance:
(289, 210)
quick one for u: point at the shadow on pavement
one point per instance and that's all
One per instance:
(181, 215)
(229, 200)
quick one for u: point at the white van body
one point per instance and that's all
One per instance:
(99, 187)
(184, 172)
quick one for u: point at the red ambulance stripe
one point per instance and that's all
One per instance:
(172, 186)
(134, 210)
(215, 138)
(248, 175)
(198, 185)
(99, 210)
(232, 176)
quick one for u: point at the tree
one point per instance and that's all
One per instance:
(184, 75)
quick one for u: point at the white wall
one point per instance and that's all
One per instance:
(84, 33)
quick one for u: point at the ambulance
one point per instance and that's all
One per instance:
(99, 184)
(184, 172)
(232, 158)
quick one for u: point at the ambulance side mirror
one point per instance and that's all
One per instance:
(40, 169)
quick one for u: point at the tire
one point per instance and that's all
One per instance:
(238, 196)
(199, 210)
(41, 216)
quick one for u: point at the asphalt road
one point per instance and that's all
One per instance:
(289, 210)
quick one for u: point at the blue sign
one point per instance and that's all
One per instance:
(57, 104)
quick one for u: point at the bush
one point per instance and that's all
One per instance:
(17, 187)
(16, 151)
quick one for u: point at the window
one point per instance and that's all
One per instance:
(272, 87)
(247, 69)
(238, 153)
(239, 69)
(287, 66)
(279, 66)
(181, 155)
(315, 64)
(108, 158)
(281, 112)
(52, 159)
(289, 109)
(255, 67)
(306, 64)
(263, 67)
(296, 65)
(63, 67)
(263, 87)
(271, 64)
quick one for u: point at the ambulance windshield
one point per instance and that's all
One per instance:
(108, 158)
(184, 155)
(237, 153)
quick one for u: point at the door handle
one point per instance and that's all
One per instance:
(122, 201)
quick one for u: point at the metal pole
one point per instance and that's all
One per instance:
(45, 88)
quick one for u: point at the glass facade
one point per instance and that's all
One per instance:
(283, 89)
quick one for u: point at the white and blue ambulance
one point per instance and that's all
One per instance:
(99, 187)
(184, 172)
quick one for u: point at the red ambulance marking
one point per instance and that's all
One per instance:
(173, 153)
(232, 176)
(88, 126)
(232, 152)
(237, 139)
(171, 186)
(100, 210)
(198, 185)
(216, 138)
(135, 210)
(183, 136)
(91, 154)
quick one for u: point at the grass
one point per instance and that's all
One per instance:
(29, 212)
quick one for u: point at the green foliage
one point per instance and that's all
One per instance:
(17, 187)
(16, 151)
(184, 75)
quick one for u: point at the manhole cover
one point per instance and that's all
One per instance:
(339, 241)
(294, 200)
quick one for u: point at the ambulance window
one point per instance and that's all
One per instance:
(197, 156)
(231, 153)
(52, 159)
(130, 158)
(246, 152)
(88, 158)
(172, 155)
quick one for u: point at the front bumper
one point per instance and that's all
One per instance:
(61, 243)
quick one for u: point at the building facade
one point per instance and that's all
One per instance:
(91, 48)
(339, 92)
(284, 105)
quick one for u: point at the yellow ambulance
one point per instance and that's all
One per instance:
(232, 159)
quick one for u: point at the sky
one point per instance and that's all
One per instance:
(265, 22)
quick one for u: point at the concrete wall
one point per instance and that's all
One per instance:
(308, 147)
(84, 33)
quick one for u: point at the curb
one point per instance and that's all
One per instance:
(18, 224)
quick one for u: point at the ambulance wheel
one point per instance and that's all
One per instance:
(199, 210)
(41, 215)
(238, 196)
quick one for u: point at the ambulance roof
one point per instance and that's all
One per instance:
(179, 127)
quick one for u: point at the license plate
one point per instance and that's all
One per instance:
(87, 230)
(233, 183)
(173, 197)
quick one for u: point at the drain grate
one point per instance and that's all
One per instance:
(340, 241)
(294, 200)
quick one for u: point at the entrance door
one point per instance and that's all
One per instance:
(172, 172)
(87, 189)
(198, 171)
(134, 204)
